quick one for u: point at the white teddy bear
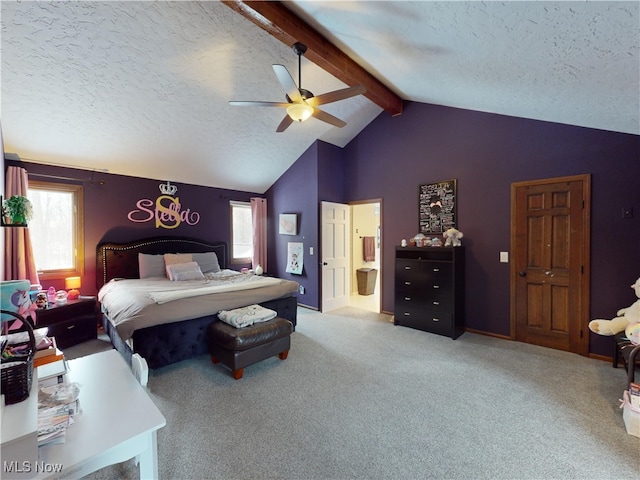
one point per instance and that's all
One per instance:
(453, 237)
(625, 317)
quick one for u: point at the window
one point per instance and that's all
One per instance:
(241, 232)
(57, 229)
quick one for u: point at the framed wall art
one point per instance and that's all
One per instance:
(288, 223)
(437, 206)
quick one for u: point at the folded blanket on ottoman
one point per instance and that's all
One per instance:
(245, 316)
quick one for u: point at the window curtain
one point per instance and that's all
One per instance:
(259, 220)
(19, 262)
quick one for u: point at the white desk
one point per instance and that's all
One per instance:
(118, 422)
(19, 434)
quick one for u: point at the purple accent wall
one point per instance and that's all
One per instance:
(109, 198)
(486, 153)
(296, 191)
(317, 176)
(330, 174)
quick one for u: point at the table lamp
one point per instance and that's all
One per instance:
(72, 284)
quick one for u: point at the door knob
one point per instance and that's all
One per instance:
(522, 274)
(324, 263)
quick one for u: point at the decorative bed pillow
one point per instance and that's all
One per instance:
(208, 262)
(184, 271)
(177, 258)
(151, 265)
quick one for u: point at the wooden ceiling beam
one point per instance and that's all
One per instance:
(287, 27)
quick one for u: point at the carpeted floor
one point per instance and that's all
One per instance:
(361, 398)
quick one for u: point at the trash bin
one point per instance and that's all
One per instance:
(366, 280)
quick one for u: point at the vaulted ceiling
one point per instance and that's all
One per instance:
(142, 88)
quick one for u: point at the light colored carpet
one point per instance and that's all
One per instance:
(361, 398)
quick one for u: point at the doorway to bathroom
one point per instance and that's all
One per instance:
(366, 255)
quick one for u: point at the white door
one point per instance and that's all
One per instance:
(336, 253)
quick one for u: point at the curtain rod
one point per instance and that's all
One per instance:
(56, 177)
(56, 164)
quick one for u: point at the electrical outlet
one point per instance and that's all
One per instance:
(504, 257)
(301, 290)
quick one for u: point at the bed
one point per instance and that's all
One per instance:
(166, 326)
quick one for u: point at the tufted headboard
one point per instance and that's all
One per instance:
(120, 260)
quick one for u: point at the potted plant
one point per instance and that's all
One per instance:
(17, 209)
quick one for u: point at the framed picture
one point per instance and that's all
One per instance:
(288, 223)
(295, 254)
(437, 207)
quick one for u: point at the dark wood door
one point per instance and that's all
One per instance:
(550, 271)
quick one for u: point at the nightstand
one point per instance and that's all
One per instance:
(72, 323)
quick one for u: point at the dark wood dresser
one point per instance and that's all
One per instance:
(429, 289)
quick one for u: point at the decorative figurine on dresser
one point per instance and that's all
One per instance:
(429, 289)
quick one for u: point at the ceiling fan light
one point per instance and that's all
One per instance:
(299, 111)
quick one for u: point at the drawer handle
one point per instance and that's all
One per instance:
(407, 268)
(70, 327)
(406, 314)
(436, 303)
(407, 298)
(436, 269)
(436, 319)
(407, 283)
(436, 286)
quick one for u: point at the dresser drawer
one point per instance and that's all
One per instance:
(431, 273)
(74, 322)
(74, 330)
(440, 321)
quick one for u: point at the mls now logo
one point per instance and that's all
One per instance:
(28, 467)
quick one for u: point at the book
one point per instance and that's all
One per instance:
(50, 381)
(47, 346)
(53, 370)
(56, 356)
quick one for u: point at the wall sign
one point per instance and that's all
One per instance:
(437, 206)
(166, 209)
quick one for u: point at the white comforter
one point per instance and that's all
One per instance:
(224, 281)
(135, 304)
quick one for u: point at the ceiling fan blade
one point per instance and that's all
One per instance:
(336, 95)
(286, 80)
(328, 118)
(258, 104)
(284, 124)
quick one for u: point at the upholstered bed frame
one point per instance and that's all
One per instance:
(162, 345)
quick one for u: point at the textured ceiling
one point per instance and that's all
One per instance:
(142, 88)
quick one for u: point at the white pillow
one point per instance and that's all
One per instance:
(184, 271)
(151, 265)
(208, 261)
(176, 258)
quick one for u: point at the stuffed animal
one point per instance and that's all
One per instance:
(453, 237)
(632, 332)
(627, 319)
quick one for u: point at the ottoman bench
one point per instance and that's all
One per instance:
(238, 348)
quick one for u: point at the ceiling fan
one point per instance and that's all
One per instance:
(302, 104)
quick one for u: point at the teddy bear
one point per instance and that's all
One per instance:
(453, 237)
(627, 319)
